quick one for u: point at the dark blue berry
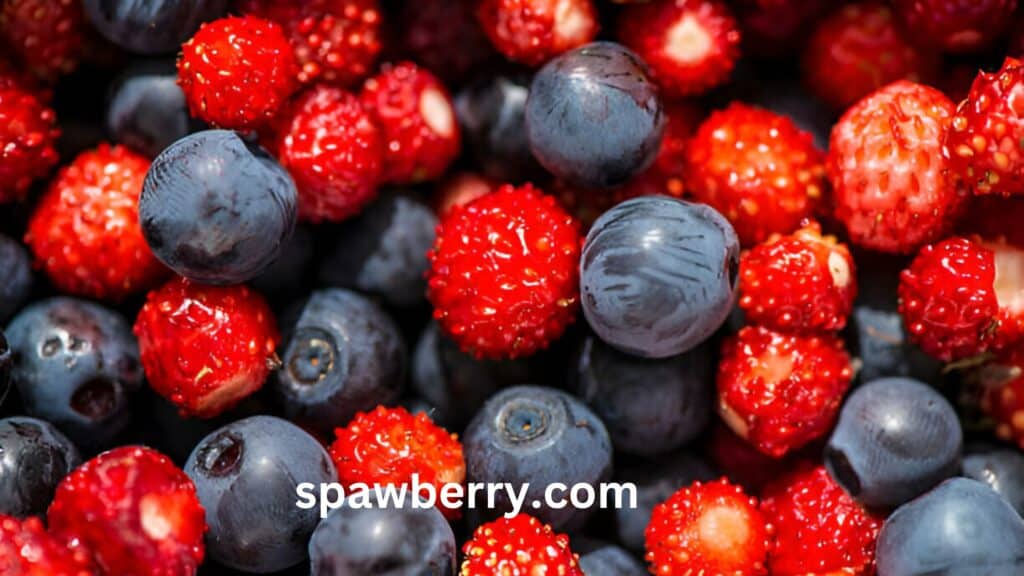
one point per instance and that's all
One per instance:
(896, 438)
(147, 110)
(217, 209)
(246, 475)
(151, 26)
(6, 361)
(492, 115)
(603, 559)
(34, 458)
(16, 270)
(1002, 470)
(879, 338)
(593, 117)
(288, 275)
(658, 275)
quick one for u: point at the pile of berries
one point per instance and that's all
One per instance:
(761, 260)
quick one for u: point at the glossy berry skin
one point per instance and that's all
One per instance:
(957, 26)
(76, 365)
(658, 275)
(538, 435)
(135, 510)
(16, 269)
(26, 549)
(147, 110)
(593, 118)
(46, 35)
(387, 540)
(896, 438)
(1002, 470)
(343, 355)
(534, 31)
(518, 545)
(246, 475)
(237, 72)
(205, 348)
(602, 559)
(35, 458)
(151, 27)
(893, 189)
(758, 169)
(690, 45)
(217, 209)
(85, 233)
(503, 274)
(417, 121)
(961, 527)
(28, 134)
(985, 142)
(711, 526)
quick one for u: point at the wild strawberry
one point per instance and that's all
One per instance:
(205, 348)
(1003, 395)
(28, 135)
(445, 37)
(518, 546)
(667, 174)
(986, 142)
(957, 25)
(892, 184)
(504, 273)
(237, 73)
(460, 189)
(135, 510)
(781, 391)
(708, 528)
(859, 49)
(534, 31)
(389, 445)
(85, 230)
(334, 152)
(46, 35)
(335, 41)
(819, 528)
(756, 168)
(690, 45)
(802, 282)
(27, 550)
(742, 463)
(774, 27)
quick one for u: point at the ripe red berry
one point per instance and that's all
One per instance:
(691, 46)
(756, 168)
(334, 152)
(1003, 396)
(957, 25)
(237, 72)
(27, 550)
(28, 135)
(742, 463)
(819, 528)
(892, 184)
(708, 528)
(781, 391)
(46, 35)
(986, 142)
(85, 230)
(205, 348)
(518, 546)
(504, 273)
(534, 31)
(135, 510)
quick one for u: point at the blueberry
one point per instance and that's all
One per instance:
(246, 475)
(217, 209)
(147, 110)
(383, 251)
(603, 559)
(34, 458)
(287, 275)
(537, 436)
(658, 275)
(493, 119)
(593, 117)
(151, 26)
(383, 541)
(649, 406)
(75, 365)
(896, 438)
(961, 528)
(16, 269)
(6, 361)
(879, 339)
(344, 355)
(1002, 470)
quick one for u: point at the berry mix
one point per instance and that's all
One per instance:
(762, 259)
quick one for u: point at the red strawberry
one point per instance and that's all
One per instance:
(28, 135)
(334, 152)
(46, 35)
(135, 510)
(205, 348)
(666, 175)
(445, 37)
(819, 529)
(518, 546)
(27, 550)
(711, 528)
(892, 182)
(460, 189)
(986, 142)
(957, 25)
(756, 168)
(859, 49)
(417, 119)
(237, 73)
(85, 230)
(504, 273)
(335, 41)
(534, 31)
(389, 445)
(781, 391)
(690, 45)
(799, 283)
(774, 27)
(1003, 396)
